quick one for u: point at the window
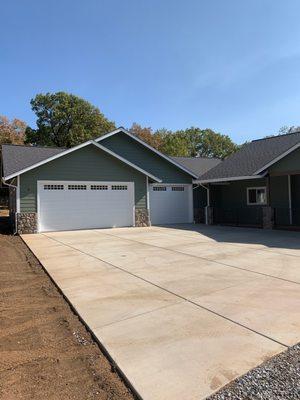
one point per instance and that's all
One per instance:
(256, 196)
(77, 187)
(177, 188)
(99, 187)
(159, 188)
(53, 187)
(118, 187)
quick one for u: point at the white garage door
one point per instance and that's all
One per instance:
(171, 204)
(72, 205)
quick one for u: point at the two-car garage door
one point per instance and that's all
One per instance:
(84, 205)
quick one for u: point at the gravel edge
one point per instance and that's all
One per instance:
(277, 378)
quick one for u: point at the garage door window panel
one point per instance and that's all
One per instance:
(53, 187)
(76, 187)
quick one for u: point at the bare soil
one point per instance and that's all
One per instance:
(45, 351)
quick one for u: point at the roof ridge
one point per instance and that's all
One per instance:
(275, 136)
(34, 147)
(193, 158)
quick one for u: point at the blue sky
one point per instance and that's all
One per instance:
(233, 66)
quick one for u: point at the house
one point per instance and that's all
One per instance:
(257, 186)
(115, 180)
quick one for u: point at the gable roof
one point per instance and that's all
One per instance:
(171, 160)
(17, 157)
(24, 157)
(252, 160)
(198, 165)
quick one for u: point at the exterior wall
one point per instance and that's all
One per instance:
(138, 154)
(288, 165)
(279, 194)
(26, 223)
(200, 202)
(230, 203)
(86, 164)
(295, 183)
(141, 217)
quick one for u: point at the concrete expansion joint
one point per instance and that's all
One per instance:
(169, 291)
(217, 262)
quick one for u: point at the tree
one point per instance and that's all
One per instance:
(284, 130)
(192, 139)
(191, 142)
(147, 135)
(173, 143)
(65, 120)
(213, 144)
(11, 132)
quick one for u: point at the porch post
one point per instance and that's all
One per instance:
(208, 209)
(290, 200)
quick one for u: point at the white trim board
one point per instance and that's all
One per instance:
(89, 142)
(18, 209)
(99, 139)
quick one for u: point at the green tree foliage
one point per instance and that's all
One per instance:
(173, 143)
(191, 142)
(213, 144)
(65, 120)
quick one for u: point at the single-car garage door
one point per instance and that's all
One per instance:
(171, 204)
(71, 205)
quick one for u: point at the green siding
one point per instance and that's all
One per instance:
(230, 203)
(279, 191)
(295, 181)
(86, 164)
(234, 194)
(200, 197)
(290, 163)
(146, 159)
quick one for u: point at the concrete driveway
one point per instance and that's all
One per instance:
(182, 310)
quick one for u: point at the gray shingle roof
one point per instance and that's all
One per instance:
(198, 165)
(252, 156)
(16, 157)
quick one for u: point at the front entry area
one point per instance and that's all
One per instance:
(69, 205)
(171, 204)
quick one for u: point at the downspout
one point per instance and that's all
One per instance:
(208, 201)
(16, 188)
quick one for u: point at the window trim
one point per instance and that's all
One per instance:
(257, 188)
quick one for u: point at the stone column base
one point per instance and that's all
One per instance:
(142, 217)
(26, 223)
(268, 217)
(209, 215)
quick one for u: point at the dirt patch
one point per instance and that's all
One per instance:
(45, 351)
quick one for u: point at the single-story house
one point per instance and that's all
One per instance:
(257, 186)
(115, 180)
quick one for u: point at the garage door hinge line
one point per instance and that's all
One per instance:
(170, 292)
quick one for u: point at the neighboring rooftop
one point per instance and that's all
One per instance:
(252, 157)
(198, 165)
(18, 157)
